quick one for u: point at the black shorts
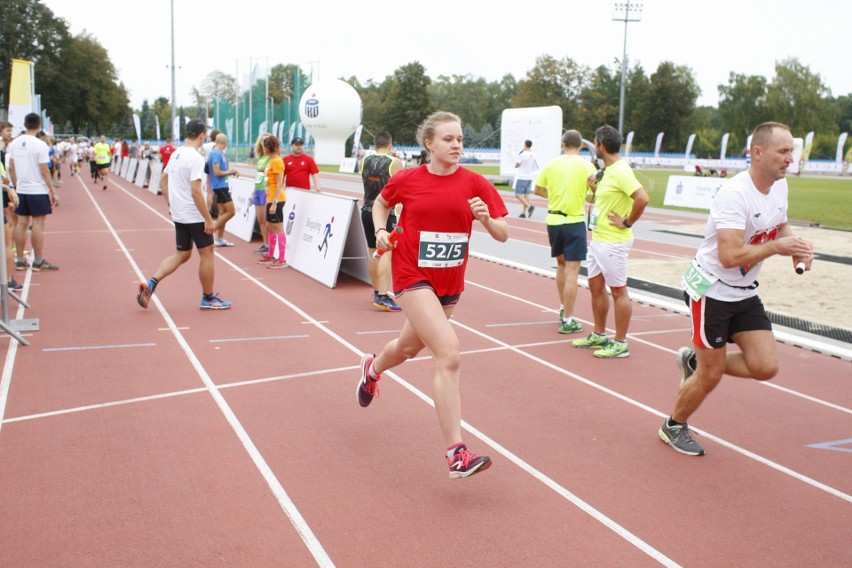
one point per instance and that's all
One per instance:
(278, 217)
(446, 301)
(370, 229)
(715, 323)
(568, 240)
(188, 233)
(103, 166)
(33, 205)
(223, 195)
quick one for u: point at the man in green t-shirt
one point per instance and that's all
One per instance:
(618, 202)
(564, 181)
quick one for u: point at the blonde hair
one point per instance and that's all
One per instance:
(426, 131)
(258, 145)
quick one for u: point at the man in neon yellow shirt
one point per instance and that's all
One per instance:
(618, 202)
(102, 151)
(564, 182)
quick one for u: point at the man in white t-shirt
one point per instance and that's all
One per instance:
(747, 224)
(526, 170)
(28, 159)
(182, 186)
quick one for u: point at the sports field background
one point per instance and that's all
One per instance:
(820, 201)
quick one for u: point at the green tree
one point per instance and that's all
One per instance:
(90, 97)
(29, 30)
(553, 82)
(669, 102)
(798, 98)
(408, 102)
(742, 106)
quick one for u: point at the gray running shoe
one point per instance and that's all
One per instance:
(680, 439)
(686, 362)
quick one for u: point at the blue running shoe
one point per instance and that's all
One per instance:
(214, 303)
(144, 295)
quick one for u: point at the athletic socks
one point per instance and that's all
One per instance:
(153, 282)
(371, 372)
(451, 451)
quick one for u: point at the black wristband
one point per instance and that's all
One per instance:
(377, 231)
(626, 224)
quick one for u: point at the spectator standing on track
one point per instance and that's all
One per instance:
(526, 168)
(376, 170)
(167, 151)
(220, 171)
(619, 201)
(28, 157)
(182, 186)
(116, 152)
(440, 200)
(102, 159)
(10, 201)
(300, 167)
(747, 224)
(275, 198)
(564, 181)
(258, 197)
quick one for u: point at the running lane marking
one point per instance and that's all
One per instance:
(730, 445)
(95, 347)
(296, 519)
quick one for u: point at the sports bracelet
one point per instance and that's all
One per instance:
(377, 231)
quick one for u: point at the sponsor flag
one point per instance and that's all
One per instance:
(658, 145)
(724, 150)
(841, 141)
(157, 119)
(137, 125)
(628, 143)
(21, 94)
(689, 144)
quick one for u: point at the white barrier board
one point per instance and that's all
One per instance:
(692, 191)
(241, 224)
(156, 172)
(324, 236)
(142, 173)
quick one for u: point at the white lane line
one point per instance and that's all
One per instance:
(96, 347)
(765, 461)
(289, 508)
(547, 481)
(522, 323)
(638, 339)
(11, 354)
(267, 338)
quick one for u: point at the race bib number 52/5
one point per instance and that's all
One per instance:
(442, 250)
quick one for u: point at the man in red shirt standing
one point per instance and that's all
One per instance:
(166, 152)
(300, 167)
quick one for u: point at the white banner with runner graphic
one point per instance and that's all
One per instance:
(241, 224)
(324, 236)
(692, 191)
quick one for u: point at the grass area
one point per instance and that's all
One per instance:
(826, 201)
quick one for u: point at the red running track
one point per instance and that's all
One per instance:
(175, 437)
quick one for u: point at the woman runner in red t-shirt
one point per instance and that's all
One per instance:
(440, 200)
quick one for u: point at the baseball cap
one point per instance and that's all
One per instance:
(195, 127)
(297, 140)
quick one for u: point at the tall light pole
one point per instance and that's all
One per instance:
(629, 11)
(175, 135)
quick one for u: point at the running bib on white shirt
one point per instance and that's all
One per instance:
(696, 282)
(442, 250)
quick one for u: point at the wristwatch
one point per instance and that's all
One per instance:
(626, 224)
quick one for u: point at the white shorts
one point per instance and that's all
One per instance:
(610, 260)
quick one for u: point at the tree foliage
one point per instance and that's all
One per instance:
(408, 102)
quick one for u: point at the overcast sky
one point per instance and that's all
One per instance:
(475, 37)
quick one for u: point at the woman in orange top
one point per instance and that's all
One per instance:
(275, 199)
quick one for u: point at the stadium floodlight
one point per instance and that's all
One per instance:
(629, 11)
